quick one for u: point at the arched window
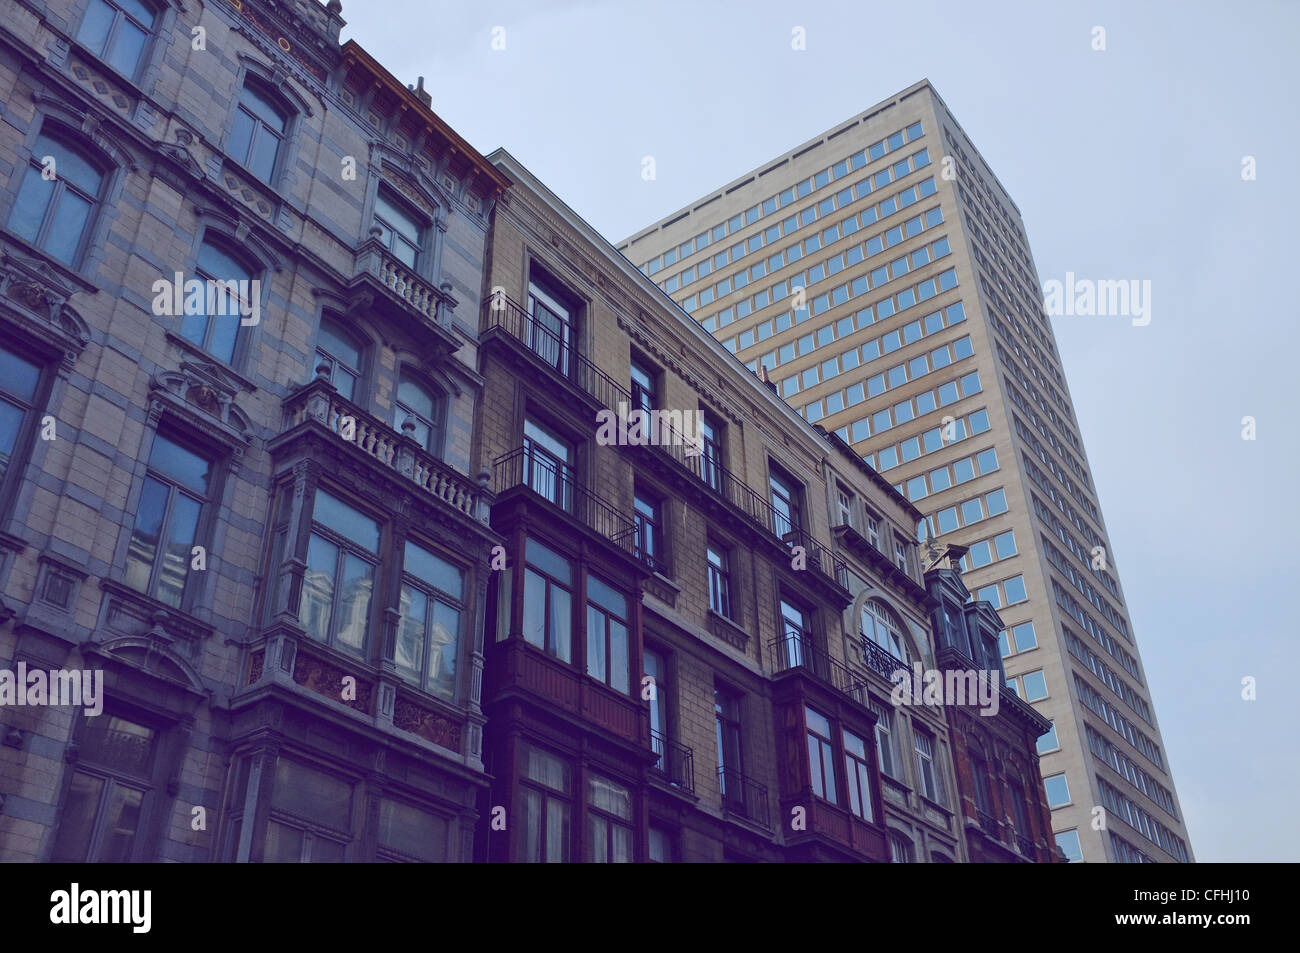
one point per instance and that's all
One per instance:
(881, 626)
(117, 32)
(400, 231)
(57, 199)
(338, 349)
(418, 403)
(229, 293)
(257, 137)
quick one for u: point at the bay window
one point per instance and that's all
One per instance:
(607, 635)
(428, 629)
(548, 600)
(177, 489)
(342, 557)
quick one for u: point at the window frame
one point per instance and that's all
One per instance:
(151, 32)
(434, 595)
(209, 504)
(260, 87)
(719, 578)
(375, 559)
(89, 152)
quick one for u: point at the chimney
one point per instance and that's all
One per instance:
(762, 375)
(419, 90)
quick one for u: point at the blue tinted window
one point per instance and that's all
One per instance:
(996, 502)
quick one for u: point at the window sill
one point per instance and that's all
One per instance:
(67, 272)
(727, 630)
(195, 351)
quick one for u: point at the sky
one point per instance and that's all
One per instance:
(1128, 162)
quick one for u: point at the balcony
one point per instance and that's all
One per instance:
(378, 270)
(1025, 846)
(744, 797)
(795, 650)
(319, 404)
(881, 661)
(989, 824)
(554, 483)
(703, 465)
(676, 763)
(549, 343)
(516, 668)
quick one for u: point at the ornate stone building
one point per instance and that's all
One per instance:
(256, 513)
(692, 636)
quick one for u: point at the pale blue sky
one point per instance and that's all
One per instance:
(1124, 163)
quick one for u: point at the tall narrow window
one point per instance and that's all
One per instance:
(257, 137)
(548, 600)
(785, 504)
(844, 506)
(399, 230)
(20, 382)
(656, 668)
(979, 773)
(109, 793)
(545, 789)
(927, 772)
(719, 580)
(900, 553)
(421, 406)
(797, 637)
(340, 577)
(336, 349)
(428, 629)
(726, 707)
(548, 329)
(643, 387)
(857, 774)
(609, 821)
(885, 740)
(873, 530)
(176, 489)
(711, 452)
(56, 202)
(228, 296)
(821, 755)
(117, 32)
(548, 464)
(648, 517)
(607, 637)
(1019, 812)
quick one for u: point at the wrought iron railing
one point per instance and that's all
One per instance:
(987, 821)
(555, 484)
(744, 797)
(555, 348)
(881, 660)
(676, 761)
(797, 650)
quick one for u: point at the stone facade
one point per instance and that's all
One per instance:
(702, 732)
(247, 679)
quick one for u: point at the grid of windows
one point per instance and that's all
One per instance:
(1120, 804)
(1131, 771)
(860, 354)
(769, 205)
(1110, 714)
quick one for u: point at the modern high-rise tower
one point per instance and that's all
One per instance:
(879, 277)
